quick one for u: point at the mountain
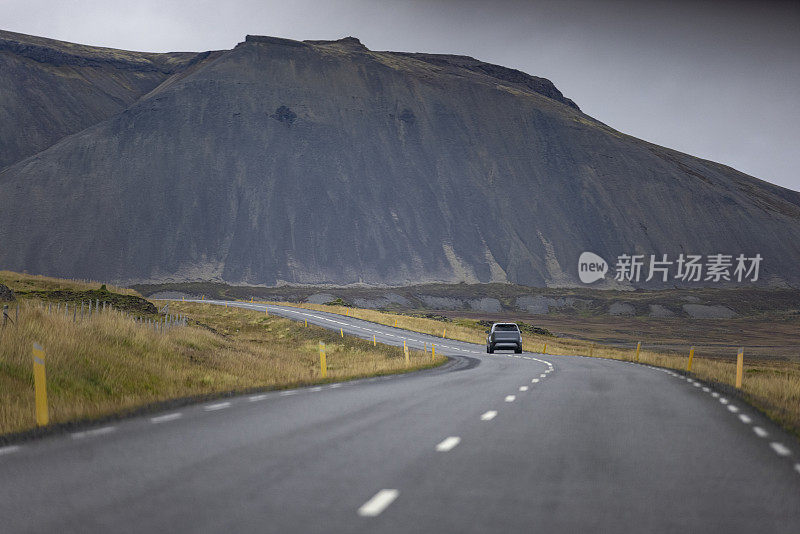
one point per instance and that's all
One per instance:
(323, 162)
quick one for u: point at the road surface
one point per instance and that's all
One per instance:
(486, 443)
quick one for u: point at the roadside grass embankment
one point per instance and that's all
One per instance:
(771, 386)
(108, 364)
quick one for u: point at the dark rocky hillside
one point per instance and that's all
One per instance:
(324, 162)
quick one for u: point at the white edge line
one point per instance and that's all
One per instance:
(378, 503)
(217, 406)
(780, 448)
(9, 449)
(165, 418)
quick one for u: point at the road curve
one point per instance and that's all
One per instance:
(486, 443)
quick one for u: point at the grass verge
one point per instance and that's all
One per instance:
(108, 364)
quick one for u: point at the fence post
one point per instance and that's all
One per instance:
(323, 364)
(691, 358)
(405, 351)
(638, 347)
(739, 368)
(40, 385)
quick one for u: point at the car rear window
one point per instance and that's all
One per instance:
(506, 327)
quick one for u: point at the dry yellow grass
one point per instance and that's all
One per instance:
(108, 364)
(28, 282)
(773, 386)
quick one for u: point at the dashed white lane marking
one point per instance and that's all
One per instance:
(165, 418)
(760, 432)
(523, 388)
(217, 406)
(715, 394)
(732, 408)
(315, 389)
(378, 503)
(9, 449)
(542, 375)
(745, 419)
(93, 432)
(510, 398)
(448, 443)
(696, 384)
(534, 381)
(256, 398)
(706, 390)
(723, 400)
(780, 448)
(334, 386)
(287, 393)
(488, 416)
(797, 467)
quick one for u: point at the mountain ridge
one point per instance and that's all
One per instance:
(322, 162)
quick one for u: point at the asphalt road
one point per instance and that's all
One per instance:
(486, 443)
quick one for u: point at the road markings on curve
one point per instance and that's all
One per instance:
(534, 381)
(745, 419)
(760, 432)
(256, 398)
(378, 503)
(488, 416)
(732, 408)
(165, 418)
(9, 449)
(523, 388)
(780, 448)
(715, 394)
(448, 444)
(217, 406)
(510, 398)
(542, 375)
(723, 400)
(93, 432)
(706, 390)
(287, 393)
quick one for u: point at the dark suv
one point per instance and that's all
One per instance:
(504, 335)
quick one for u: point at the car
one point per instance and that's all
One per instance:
(504, 335)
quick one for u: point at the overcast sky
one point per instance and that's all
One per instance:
(719, 80)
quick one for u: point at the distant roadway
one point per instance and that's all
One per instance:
(485, 443)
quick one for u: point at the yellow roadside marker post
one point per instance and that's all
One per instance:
(433, 352)
(405, 351)
(691, 357)
(341, 331)
(591, 349)
(40, 385)
(638, 347)
(374, 342)
(306, 322)
(739, 368)
(323, 364)
(395, 322)
(444, 334)
(544, 350)
(266, 311)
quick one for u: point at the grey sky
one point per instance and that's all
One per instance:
(717, 79)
